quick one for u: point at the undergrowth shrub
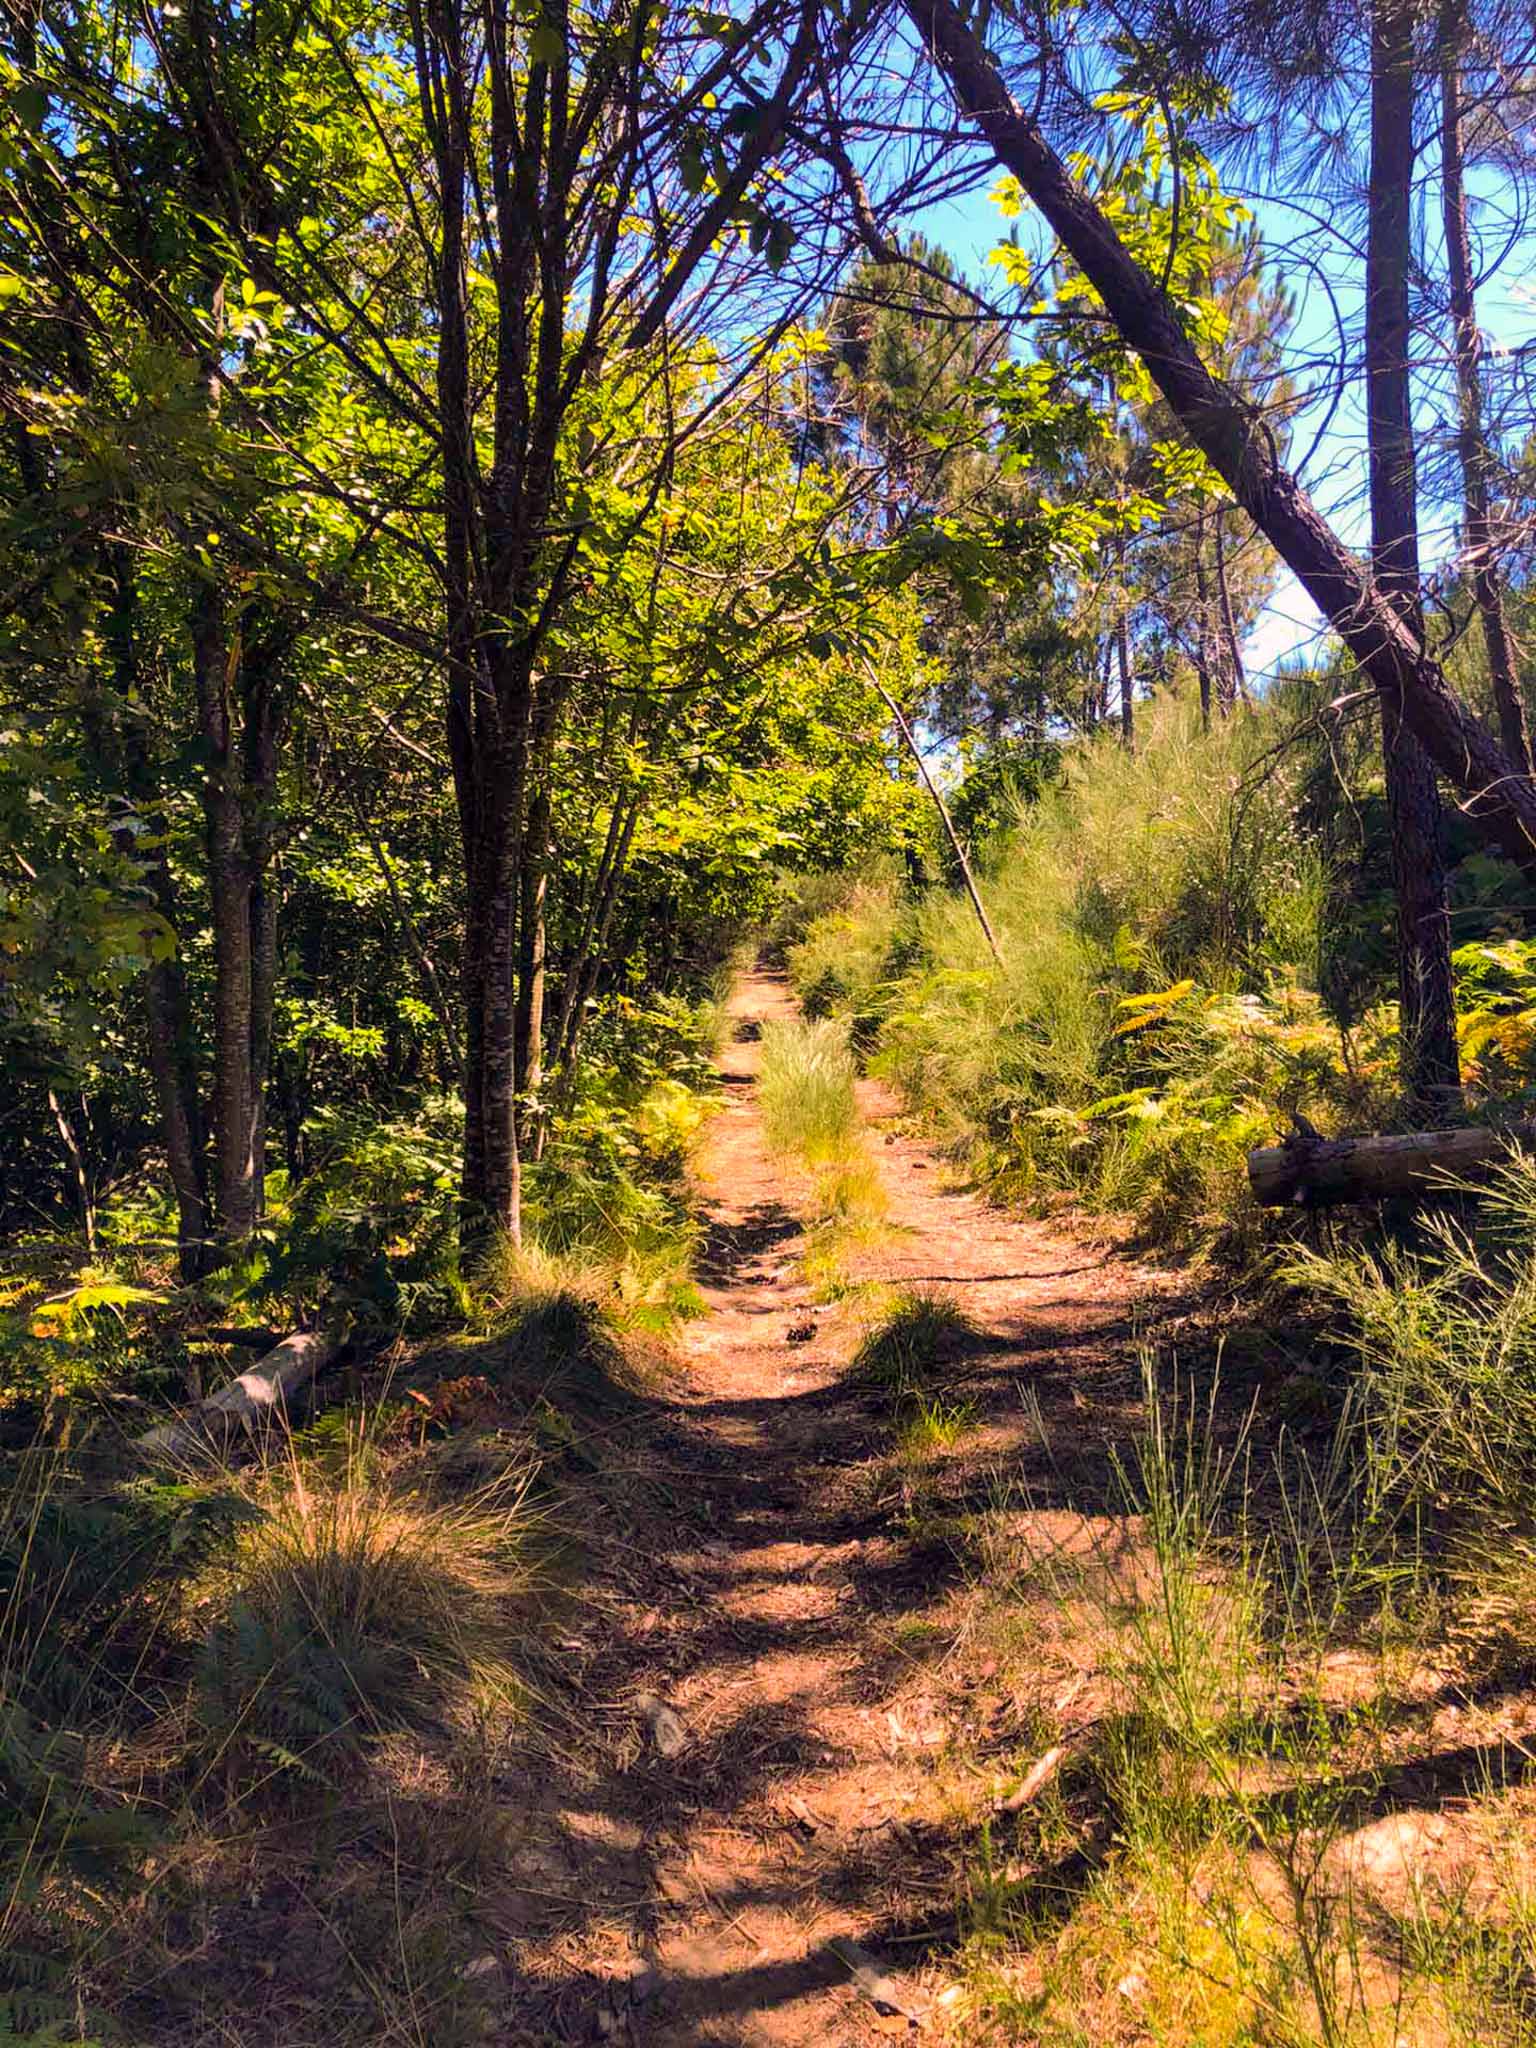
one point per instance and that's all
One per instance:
(1155, 1013)
(1443, 1330)
(848, 953)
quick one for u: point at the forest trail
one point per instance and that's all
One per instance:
(773, 1591)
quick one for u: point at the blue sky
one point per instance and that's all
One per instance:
(1325, 275)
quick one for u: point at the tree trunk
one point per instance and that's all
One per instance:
(1310, 1170)
(259, 806)
(1428, 1060)
(533, 938)
(1239, 446)
(215, 660)
(1234, 684)
(172, 1068)
(1127, 685)
(945, 819)
(1202, 622)
(491, 1193)
(1472, 444)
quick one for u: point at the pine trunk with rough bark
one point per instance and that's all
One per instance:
(1471, 439)
(1429, 1066)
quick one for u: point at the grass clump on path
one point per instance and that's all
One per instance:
(923, 1330)
(805, 1091)
(810, 1115)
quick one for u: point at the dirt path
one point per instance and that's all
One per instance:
(769, 1589)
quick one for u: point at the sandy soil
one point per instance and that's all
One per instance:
(694, 1875)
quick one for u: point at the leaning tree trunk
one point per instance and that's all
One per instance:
(1237, 442)
(1471, 440)
(1428, 1060)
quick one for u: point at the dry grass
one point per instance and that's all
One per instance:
(1268, 1813)
(357, 1607)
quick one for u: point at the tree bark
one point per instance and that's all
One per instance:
(1234, 685)
(1428, 1061)
(1471, 439)
(1127, 681)
(1202, 622)
(1239, 446)
(1310, 1170)
(215, 661)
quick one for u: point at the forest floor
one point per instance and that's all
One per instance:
(795, 1697)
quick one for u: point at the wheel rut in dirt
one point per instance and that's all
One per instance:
(754, 1774)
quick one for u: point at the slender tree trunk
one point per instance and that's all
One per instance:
(1202, 622)
(215, 660)
(1239, 446)
(533, 944)
(1127, 681)
(76, 1158)
(1472, 443)
(259, 806)
(1234, 686)
(172, 1067)
(945, 819)
(1428, 1059)
(492, 1200)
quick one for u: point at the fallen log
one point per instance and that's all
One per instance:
(1308, 1169)
(253, 1402)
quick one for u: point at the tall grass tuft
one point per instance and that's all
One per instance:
(1444, 1333)
(353, 1608)
(805, 1090)
(922, 1330)
(811, 1115)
